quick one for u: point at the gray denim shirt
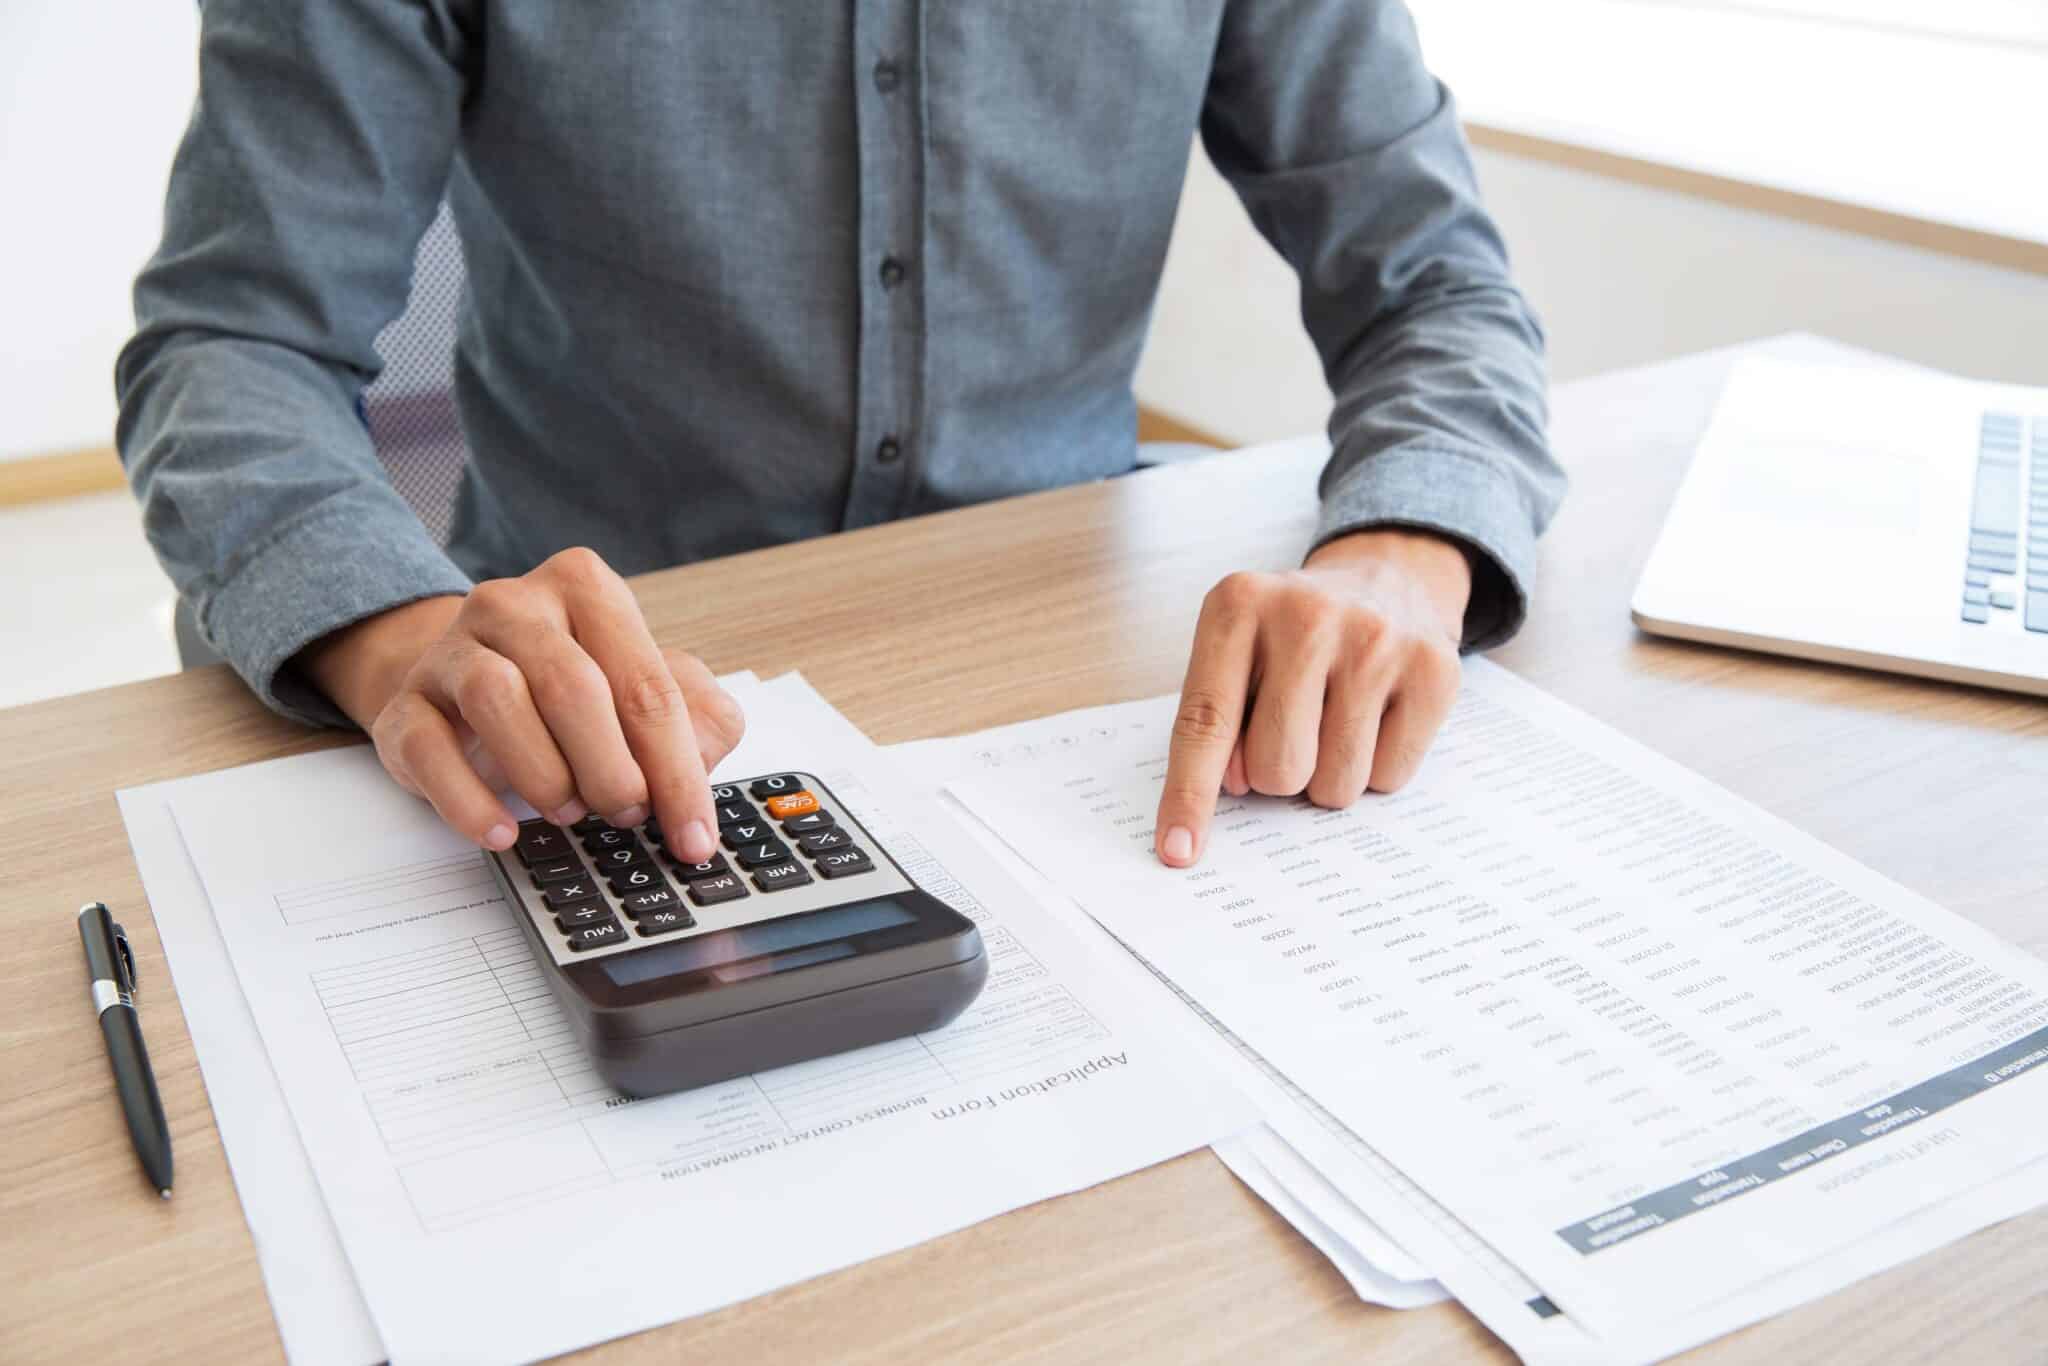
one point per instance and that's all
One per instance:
(744, 271)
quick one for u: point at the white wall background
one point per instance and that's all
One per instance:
(93, 97)
(1621, 274)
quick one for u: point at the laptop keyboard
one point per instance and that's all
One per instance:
(2007, 570)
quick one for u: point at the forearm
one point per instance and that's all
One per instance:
(360, 667)
(266, 505)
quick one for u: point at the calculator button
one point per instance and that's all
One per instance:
(808, 822)
(709, 891)
(776, 876)
(597, 936)
(844, 862)
(641, 877)
(777, 786)
(559, 894)
(730, 813)
(747, 832)
(763, 852)
(795, 804)
(591, 821)
(822, 841)
(662, 898)
(625, 856)
(664, 922)
(691, 871)
(582, 913)
(539, 841)
(555, 869)
(607, 837)
(725, 792)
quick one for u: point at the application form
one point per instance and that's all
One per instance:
(496, 1202)
(1646, 1044)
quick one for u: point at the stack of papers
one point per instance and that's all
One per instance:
(1560, 1030)
(430, 1169)
(1633, 1062)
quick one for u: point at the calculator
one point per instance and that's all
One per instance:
(801, 936)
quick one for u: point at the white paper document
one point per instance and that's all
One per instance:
(497, 1202)
(1299, 1159)
(1675, 1062)
(320, 1314)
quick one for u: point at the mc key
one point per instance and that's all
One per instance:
(845, 862)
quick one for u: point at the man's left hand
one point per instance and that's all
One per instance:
(1327, 680)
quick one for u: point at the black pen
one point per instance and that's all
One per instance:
(110, 964)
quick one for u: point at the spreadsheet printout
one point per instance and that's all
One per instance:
(497, 1202)
(1718, 1051)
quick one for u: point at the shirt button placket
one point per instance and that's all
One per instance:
(889, 396)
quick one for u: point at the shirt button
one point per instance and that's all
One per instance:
(887, 76)
(892, 272)
(888, 451)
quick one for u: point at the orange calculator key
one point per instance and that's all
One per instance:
(795, 804)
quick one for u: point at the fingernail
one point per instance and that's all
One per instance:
(697, 842)
(571, 813)
(500, 836)
(632, 815)
(1179, 844)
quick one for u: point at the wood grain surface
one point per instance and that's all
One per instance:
(950, 623)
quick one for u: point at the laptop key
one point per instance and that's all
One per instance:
(1977, 597)
(1976, 612)
(1995, 507)
(1995, 564)
(2037, 611)
(2002, 599)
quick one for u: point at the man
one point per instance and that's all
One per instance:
(742, 271)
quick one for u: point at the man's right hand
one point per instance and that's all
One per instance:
(550, 683)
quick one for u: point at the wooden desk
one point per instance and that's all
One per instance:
(951, 623)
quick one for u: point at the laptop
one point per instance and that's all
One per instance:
(1889, 518)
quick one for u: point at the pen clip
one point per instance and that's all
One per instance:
(124, 959)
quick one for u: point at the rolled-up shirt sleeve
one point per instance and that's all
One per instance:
(314, 161)
(1348, 156)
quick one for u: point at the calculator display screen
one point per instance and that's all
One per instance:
(799, 937)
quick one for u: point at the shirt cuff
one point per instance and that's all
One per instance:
(341, 562)
(1464, 496)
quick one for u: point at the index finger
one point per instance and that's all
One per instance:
(655, 717)
(1205, 731)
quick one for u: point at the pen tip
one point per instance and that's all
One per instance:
(165, 1193)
